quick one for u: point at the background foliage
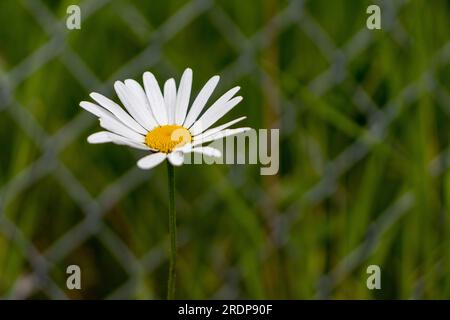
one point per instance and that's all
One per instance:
(364, 152)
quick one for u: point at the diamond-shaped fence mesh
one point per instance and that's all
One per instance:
(363, 151)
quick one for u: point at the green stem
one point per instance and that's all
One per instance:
(172, 232)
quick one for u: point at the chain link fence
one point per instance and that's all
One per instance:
(283, 108)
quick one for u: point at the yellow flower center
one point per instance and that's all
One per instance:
(168, 137)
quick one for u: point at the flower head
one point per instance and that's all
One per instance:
(162, 122)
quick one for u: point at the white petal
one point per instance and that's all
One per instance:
(117, 127)
(132, 104)
(99, 137)
(212, 131)
(184, 93)
(216, 111)
(209, 151)
(96, 110)
(127, 142)
(155, 98)
(170, 97)
(137, 93)
(217, 136)
(116, 110)
(106, 136)
(110, 122)
(152, 160)
(200, 102)
(176, 158)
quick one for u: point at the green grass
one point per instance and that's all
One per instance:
(232, 244)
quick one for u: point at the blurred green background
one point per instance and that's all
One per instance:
(364, 178)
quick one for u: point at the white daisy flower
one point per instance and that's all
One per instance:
(160, 122)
